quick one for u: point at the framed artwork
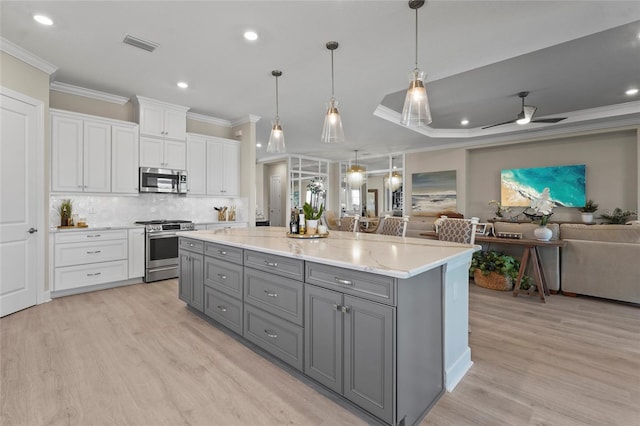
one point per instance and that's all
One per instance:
(433, 192)
(518, 187)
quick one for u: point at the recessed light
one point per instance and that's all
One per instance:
(44, 20)
(631, 92)
(464, 122)
(251, 35)
(182, 85)
(258, 145)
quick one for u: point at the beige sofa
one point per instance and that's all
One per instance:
(602, 261)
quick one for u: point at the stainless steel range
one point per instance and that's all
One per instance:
(161, 248)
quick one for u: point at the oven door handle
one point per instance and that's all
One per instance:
(158, 236)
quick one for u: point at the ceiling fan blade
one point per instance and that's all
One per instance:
(549, 120)
(499, 124)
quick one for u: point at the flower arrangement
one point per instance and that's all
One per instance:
(65, 210)
(500, 209)
(313, 210)
(543, 206)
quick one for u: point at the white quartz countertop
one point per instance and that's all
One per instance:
(90, 228)
(391, 256)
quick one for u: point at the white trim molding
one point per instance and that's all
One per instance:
(26, 56)
(87, 93)
(208, 119)
(244, 120)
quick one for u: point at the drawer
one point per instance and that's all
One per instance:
(362, 284)
(283, 266)
(279, 296)
(191, 245)
(69, 277)
(223, 276)
(224, 309)
(79, 237)
(277, 336)
(90, 252)
(222, 252)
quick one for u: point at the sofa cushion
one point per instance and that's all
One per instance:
(611, 233)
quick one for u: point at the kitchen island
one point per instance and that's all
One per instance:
(380, 321)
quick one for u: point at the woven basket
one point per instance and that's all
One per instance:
(494, 281)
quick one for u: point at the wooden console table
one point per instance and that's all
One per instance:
(530, 252)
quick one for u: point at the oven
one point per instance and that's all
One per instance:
(161, 248)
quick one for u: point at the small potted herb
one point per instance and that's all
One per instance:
(65, 209)
(587, 211)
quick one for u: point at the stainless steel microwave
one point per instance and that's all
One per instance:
(163, 180)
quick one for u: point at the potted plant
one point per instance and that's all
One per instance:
(65, 209)
(587, 211)
(311, 216)
(619, 216)
(496, 270)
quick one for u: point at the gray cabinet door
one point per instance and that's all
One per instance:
(323, 336)
(197, 281)
(184, 277)
(368, 356)
(191, 279)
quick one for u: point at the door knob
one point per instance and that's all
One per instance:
(32, 230)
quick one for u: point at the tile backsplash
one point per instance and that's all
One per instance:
(125, 210)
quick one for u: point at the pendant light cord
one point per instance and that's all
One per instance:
(416, 39)
(332, 89)
(277, 113)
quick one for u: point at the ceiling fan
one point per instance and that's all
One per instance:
(526, 115)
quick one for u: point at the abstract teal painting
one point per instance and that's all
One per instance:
(566, 185)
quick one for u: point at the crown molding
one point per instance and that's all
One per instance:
(87, 93)
(207, 119)
(244, 120)
(26, 56)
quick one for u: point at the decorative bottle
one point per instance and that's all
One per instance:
(302, 225)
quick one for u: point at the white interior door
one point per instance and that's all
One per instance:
(19, 261)
(275, 198)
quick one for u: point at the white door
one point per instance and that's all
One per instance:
(19, 261)
(275, 198)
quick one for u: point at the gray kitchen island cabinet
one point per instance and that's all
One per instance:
(380, 321)
(191, 273)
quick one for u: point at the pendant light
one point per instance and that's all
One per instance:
(416, 110)
(332, 130)
(394, 182)
(276, 140)
(356, 175)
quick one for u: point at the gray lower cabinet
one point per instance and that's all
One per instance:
(191, 279)
(349, 348)
(225, 309)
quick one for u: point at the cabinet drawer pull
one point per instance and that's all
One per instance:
(190, 244)
(222, 277)
(222, 308)
(93, 236)
(222, 252)
(345, 282)
(269, 294)
(272, 264)
(95, 274)
(94, 252)
(345, 309)
(337, 307)
(271, 334)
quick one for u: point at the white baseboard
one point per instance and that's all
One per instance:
(456, 371)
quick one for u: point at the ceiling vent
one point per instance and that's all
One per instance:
(149, 46)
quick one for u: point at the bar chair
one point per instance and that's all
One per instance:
(392, 225)
(349, 223)
(457, 230)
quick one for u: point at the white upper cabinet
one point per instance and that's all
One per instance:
(213, 166)
(163, 154)
(161, 119)
(93, 154)
(124, 160)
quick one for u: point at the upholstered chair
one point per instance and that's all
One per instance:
(457, 230)
(349, 223)
(392, 225)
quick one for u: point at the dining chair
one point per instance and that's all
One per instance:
(457, 230)
(392, 225)
(349, 223)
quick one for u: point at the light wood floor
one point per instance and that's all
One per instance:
(136, 356)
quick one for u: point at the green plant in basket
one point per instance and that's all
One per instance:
(503, 264)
